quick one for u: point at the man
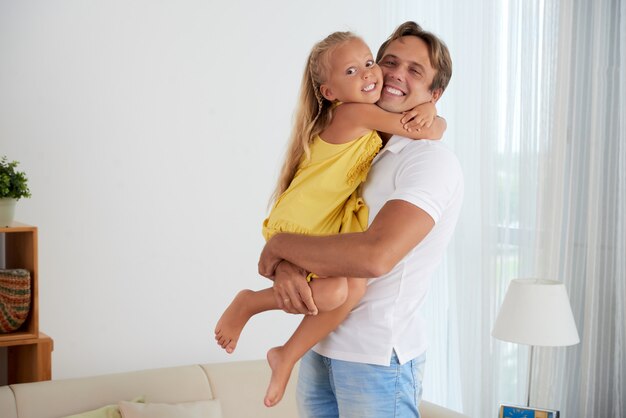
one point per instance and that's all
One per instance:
(372, 364)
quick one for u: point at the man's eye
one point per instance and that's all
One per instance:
(387, 63)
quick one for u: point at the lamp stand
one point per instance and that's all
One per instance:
(530, 373)
(516, 410)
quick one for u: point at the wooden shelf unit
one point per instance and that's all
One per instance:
(29, 360)
(20, 251)
(29, 351)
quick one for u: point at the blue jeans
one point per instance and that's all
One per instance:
(330, 388)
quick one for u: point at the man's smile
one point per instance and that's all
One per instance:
(394, 91)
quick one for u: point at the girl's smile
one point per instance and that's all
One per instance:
(369, 87)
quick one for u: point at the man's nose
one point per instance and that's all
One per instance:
(394, 73)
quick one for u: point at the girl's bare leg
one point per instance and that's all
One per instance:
(328, 294)
(311, 330)
(246, 304)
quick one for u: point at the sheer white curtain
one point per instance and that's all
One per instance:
(536, 115)
(582, 206)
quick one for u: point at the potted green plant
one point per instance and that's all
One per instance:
(13, 186)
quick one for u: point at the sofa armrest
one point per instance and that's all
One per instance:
(7, 403)
(430, 410)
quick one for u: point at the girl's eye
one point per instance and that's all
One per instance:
(369, 63)
(351, 71)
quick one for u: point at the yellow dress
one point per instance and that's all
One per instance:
(322, 198)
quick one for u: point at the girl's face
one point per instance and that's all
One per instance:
(353, 75)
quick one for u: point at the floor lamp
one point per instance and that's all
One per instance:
(536, 312)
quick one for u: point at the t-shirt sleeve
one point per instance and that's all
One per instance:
(429, 180)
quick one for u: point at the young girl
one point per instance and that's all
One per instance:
(332, 145)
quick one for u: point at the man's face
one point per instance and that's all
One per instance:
(407, 75)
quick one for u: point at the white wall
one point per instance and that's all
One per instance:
(151, 132)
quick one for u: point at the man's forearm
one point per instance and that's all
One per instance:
(398, 227)
(349, 255)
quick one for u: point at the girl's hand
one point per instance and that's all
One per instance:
(421, 116)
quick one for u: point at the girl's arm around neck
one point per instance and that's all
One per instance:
(361, 117)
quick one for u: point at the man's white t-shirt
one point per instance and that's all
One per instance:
(427, 174)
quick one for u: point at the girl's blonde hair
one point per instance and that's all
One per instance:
(313, 111)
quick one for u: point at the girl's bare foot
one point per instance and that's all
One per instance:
(281, 372)
(232, 321)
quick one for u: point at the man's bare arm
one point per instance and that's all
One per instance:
(398, 227)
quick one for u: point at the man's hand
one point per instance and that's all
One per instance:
(268, 261)
(291, 290)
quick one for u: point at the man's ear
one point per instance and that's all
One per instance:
(436, 95)
(327, 93)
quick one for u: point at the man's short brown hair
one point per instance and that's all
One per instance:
(437, 51)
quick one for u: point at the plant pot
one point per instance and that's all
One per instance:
(7, 211)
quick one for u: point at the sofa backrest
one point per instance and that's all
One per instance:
(240, 386)
(57, 398)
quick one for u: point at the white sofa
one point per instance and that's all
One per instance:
(239, 387)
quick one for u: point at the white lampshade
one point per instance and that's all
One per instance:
(536, 312)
